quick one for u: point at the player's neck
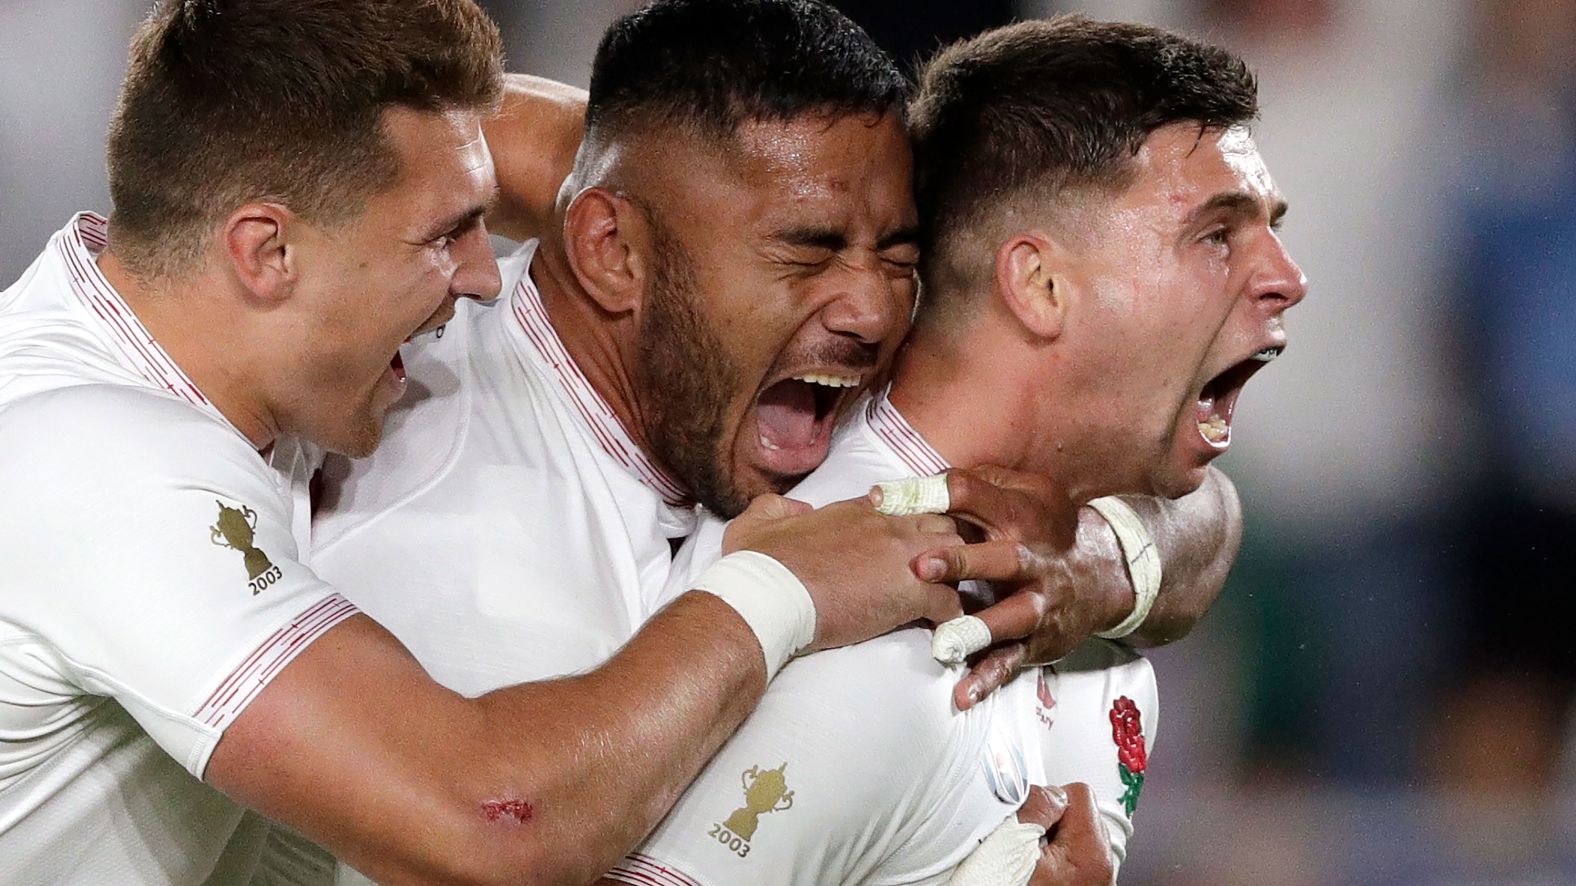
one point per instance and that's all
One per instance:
(213, 351)
(967, 408)
(602, 345)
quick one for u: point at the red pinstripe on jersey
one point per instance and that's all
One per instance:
(253, 673)
(906, 443)
(526, 303)
(647, 871)
(84, 239)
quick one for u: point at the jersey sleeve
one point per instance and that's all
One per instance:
(150, 559)
(1104, 712)
(829, 781)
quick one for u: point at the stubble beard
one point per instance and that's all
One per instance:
(687, 383)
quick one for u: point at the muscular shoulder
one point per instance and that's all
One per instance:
(104, 431)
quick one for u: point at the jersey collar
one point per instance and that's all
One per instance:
(84, 239)
(595, 414)
(907, 444)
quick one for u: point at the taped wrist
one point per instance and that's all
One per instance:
(771, 600)
(1143, 561)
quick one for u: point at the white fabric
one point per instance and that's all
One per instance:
(496, 531)
(890, 785)
(137, 620)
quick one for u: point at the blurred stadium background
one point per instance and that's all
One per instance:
(1383, 696)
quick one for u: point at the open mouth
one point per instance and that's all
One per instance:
(1218, 400)
(794, 418)
(397, 366)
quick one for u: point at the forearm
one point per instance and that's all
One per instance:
(533, 140)
(547, 782)
(605, 755)
(1197, 537)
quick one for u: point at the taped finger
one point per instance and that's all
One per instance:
(915, 495)
(1006, 858)
(956, 640)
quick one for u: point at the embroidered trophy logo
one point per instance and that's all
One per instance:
(764, 793)
(237, 530)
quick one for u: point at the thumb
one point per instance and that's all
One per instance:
(773, 507)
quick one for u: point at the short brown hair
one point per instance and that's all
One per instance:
(228, 101)
(1040, 106)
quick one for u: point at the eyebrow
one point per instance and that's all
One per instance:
(465, 217)
(1234, 203)
(836, 240)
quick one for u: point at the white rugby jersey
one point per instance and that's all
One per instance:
(856, 768)
(507, 529)
(150, 586)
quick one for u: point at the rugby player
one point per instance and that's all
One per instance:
(1102, 276)
(299, 187)
(732, 259)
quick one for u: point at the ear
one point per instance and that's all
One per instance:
(606, 238)
(256, 239)
(1031, 279)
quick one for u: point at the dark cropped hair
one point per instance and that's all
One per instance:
(227, 101)
(1039, 106)
(711, 65)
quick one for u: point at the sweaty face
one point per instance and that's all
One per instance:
(370, 285)
(783, 282)
(1190, 282)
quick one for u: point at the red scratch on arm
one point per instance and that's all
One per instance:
(518, 810)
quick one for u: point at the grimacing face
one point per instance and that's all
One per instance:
(1190, 283)
(396, 272)
(785, 282)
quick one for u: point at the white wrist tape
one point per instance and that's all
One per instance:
(770, 599)
(1006, 858)
(1143, 561)
(914, 495)
(956, 640)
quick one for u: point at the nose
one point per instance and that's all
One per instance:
(1280, 283)
(865, 305)
(476, 274)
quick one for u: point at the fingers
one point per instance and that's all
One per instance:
(1012, 505)
(988, 674)
(1016, 617)
(941, 604)
(984, 504)
(954, 641)
(1004, 561)
(772, 507)
(912, 495)
(1044, 806)
(1078, 851)
(935, 524)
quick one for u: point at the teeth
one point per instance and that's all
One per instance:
(1267, 355)
(1214, 430)
(830, 381)
(768, 445)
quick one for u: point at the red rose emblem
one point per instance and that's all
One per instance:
(1127, 730)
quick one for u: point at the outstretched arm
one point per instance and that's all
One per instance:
(549, 782)
(533, 140)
